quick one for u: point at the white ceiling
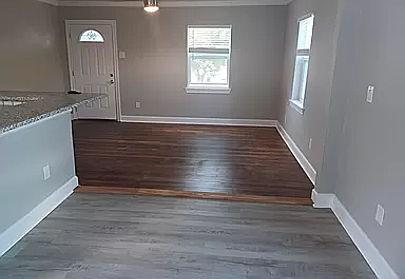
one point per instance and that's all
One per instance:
(166, 3)
(247, 1)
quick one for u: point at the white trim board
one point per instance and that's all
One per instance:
(366, 247)
(13, 234)
(164, 4)
(302, 160)
(200, 121)
(322, 200)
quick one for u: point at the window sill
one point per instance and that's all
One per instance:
(298, 106)
(208, 90)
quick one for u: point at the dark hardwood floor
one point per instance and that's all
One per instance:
(123, 236)
(239, 163)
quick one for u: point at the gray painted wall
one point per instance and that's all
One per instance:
(155, 69)
(363, 143)
(24, 152)
(313, 124)
(364, 157)
(31, 47)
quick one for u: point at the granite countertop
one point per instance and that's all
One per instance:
(21, 108)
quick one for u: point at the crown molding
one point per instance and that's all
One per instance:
(215, 3)
(180, 3)
(78, 3)
(50, 2)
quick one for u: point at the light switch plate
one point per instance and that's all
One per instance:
(379, 215)
(370, 94)
(46, 172)
(138, 105)
(310, 144)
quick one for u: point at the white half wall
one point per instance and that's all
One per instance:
(13, 234)
(27, 195)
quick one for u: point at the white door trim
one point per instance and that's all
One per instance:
(113, 25)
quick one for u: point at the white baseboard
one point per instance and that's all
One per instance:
(366, 247)
(14, 233)
(322, 200)
(200, 121)
(302, 160)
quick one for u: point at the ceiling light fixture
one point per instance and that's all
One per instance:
(150, 6)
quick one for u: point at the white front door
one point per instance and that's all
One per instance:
(91, 61)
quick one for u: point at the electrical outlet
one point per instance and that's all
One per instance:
(138, 105)
(370, 94)
(46, 172)
(379, 215)
(122, 55)
(310, 144)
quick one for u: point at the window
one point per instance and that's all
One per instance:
(302, 57)
(91, 36)
(208, 55)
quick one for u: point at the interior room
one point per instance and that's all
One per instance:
(202, 139)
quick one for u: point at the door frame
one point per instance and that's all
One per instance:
(113, 24)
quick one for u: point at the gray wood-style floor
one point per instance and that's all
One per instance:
(118, 236)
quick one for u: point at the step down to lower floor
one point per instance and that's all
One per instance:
(194, 195)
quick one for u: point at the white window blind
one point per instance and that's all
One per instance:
(209, 50)
(215, 39)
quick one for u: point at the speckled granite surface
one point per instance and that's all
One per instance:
(21, 108)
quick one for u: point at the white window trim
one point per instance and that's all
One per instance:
(208, 89)
(296, 104)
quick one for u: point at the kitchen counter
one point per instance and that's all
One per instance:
(37, 164)
(22, 108)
